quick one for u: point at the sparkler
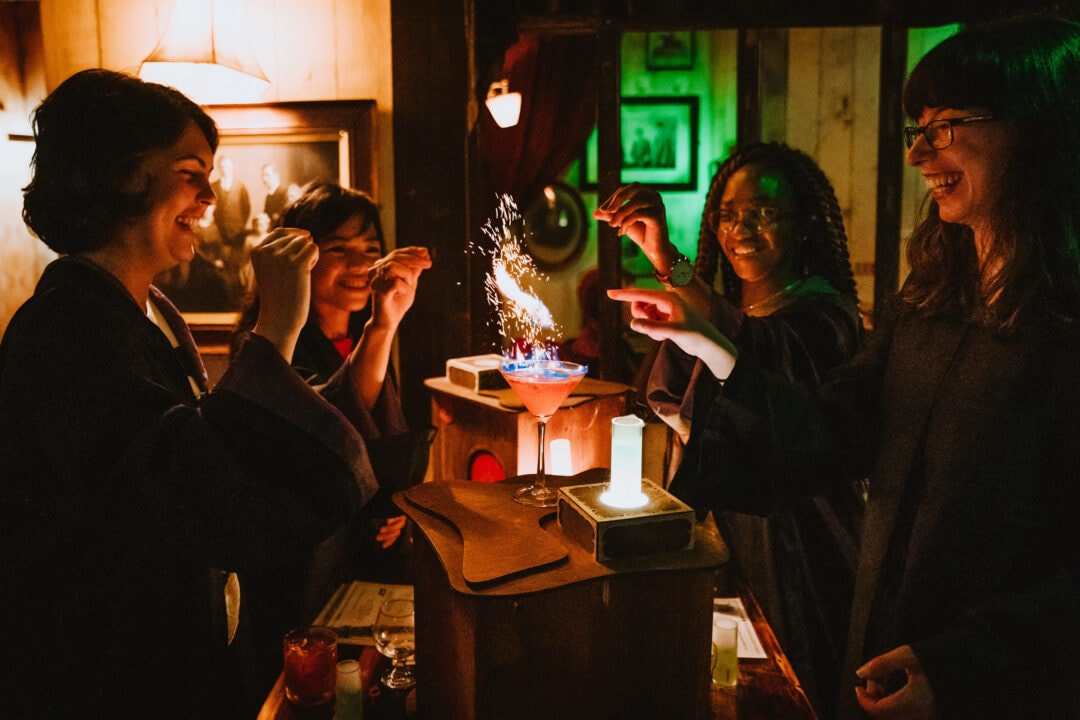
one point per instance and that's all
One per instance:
(508, 286)
(532, 366)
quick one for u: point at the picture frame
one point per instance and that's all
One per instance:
(659, 143)
(673, 50)
(332, 141)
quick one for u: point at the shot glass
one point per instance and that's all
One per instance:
(310, 666)
(725, 652)
(350, 692)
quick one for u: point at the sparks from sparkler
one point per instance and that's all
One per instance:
(509, 284)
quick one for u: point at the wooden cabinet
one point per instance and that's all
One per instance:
(474, 428)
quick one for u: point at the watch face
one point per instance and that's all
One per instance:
(682, 272)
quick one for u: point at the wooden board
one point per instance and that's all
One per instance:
(500, 538)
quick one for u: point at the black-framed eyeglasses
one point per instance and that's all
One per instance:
(939, 133)
(754, 219)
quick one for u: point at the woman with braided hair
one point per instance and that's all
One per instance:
(772, 227)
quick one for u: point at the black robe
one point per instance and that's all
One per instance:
(800, 559)
(293, 590)
(124, 497)
(970, 550)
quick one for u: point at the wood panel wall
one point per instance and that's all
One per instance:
(310, 50)
(22, 78)
(832, 114)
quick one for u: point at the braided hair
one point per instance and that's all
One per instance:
(822, 248)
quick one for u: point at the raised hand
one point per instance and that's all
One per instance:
(667, 316)
(638, 213)
(393, 284)
(282, 263)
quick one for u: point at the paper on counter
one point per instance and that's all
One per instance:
(749, 644)
(352, 609)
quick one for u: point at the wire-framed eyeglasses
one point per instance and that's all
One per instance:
(939, 133)
(754, 219)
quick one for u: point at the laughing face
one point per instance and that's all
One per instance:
(180, 195)
(964, 178)
(339, 281)
(760, 248)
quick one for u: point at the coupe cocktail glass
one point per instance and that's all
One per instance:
(542, 385)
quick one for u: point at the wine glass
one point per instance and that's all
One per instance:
(395, 637)
(541, 385)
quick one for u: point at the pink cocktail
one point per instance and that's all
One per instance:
(542, 385)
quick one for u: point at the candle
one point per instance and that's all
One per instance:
(350, 698)
(624, 490)
(560, 457)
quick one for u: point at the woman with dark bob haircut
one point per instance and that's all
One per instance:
(360, 294)
(133, 493)
(963, 409)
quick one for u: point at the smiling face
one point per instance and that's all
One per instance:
(965, 177)
(180, 194)
(764, 259)
(339, 281)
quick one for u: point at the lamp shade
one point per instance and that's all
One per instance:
(205, 54)
(504, 106)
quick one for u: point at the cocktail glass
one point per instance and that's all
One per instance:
(542, 385)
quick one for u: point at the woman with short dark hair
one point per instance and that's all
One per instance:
(131, 491)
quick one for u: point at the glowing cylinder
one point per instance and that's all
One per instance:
(624, 489)
(561, 463)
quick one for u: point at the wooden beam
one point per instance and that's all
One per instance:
(657, 15)
(609, 163)
(890, 164)
(434, 167)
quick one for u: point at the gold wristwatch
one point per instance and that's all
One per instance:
(680, 274)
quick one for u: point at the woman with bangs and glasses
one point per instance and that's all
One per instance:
(963, 408)
(773, 229)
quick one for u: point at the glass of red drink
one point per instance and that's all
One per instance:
(310, 665)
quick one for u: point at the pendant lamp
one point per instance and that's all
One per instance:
(205, 54)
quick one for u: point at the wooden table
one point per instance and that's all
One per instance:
(516, 620)
(380, 703)
(767, 689)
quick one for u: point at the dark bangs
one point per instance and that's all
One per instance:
(325, 207)
(957, 73)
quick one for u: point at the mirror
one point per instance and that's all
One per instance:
(557, 227)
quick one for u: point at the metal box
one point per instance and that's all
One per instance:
(663, 524)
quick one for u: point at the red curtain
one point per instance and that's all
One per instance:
(556, 76)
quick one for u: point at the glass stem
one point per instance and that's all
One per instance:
(540, 477)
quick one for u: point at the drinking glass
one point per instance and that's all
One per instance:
(541, 385)
(310, 665)
(725, 647)
(395, 637)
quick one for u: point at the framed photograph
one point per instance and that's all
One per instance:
(659, 144)
(266, 156)
(669, 50)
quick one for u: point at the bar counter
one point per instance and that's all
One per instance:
(470, 624)
(768, 689)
